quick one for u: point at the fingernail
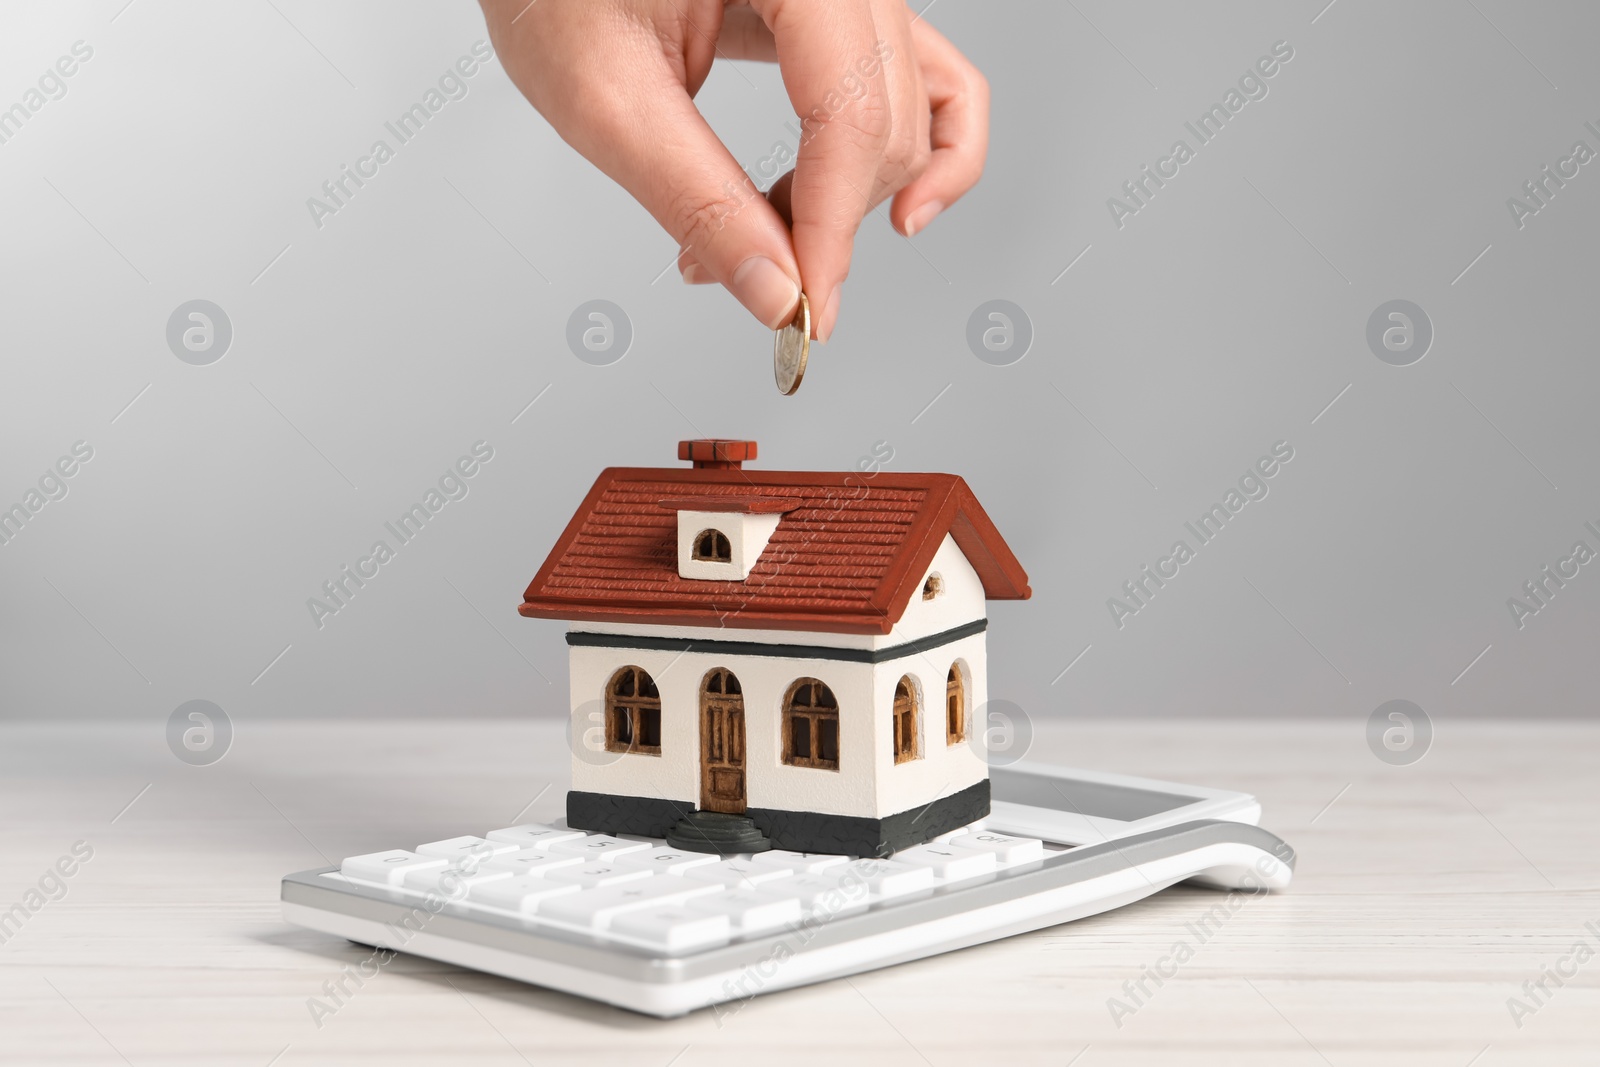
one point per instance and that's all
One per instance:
(922, 216)
(696, 274)
(762, 287)
(830, 312)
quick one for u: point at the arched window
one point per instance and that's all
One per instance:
(932, 587)
(811, 726)
(905, 720)
(722, 681)
(713, 546)
(955, 707)
(633, 712)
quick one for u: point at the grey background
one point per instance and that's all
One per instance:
(369, 354)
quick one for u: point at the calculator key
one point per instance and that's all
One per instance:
(886, 878)
(530, 861)
(599, 846)
(1007, 850)
(827, 893)
(749, 910)
(807, 862)
(389, 868)
(949, 862)
(519, 893)
(452, 881)
(673, 927)
(594, 875)
(666, 860)
(970, 828)
(739, 873)
(533, 835)
(460, 848)
(597, 907)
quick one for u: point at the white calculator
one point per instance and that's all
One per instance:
(635, 923)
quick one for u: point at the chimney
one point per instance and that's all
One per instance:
(717, 454)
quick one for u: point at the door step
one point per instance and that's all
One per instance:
(719, 832)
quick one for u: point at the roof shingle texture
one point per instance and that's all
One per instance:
(842, 559)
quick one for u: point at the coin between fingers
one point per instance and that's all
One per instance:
(791, 345)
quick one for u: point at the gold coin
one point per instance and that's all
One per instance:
(790, 346)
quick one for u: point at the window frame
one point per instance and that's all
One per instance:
(955, 688)
(721, 546)
(906, 724)
(632, 710)
(814, 714)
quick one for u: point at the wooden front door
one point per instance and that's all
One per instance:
(721, 742)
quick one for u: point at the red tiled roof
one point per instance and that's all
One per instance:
(749, 505)
(846, 558)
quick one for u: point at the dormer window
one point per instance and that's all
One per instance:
(932, 587)
(712, 546)
(721, 537)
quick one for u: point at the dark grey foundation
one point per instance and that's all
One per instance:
(609, 813)
(797, 831)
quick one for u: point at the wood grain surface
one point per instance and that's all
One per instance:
(1426, 896)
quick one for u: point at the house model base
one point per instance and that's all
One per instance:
(776, 659)
(797, 831)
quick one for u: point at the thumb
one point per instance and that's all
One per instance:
(833, 64)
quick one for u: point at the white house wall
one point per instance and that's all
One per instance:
(961, 602)
(942, 768)
(769, 782)
(868, 782)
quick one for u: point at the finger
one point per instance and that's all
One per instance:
(692, 270)
(846, 128)
(911, 109)
(745, 36)
(779, 195)
(958, 132)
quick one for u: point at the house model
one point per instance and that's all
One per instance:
(776, 659)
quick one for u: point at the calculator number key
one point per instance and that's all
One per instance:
(388, 868)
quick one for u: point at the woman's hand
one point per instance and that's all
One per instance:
(887, 108)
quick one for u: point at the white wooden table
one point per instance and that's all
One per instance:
(1425, 897)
